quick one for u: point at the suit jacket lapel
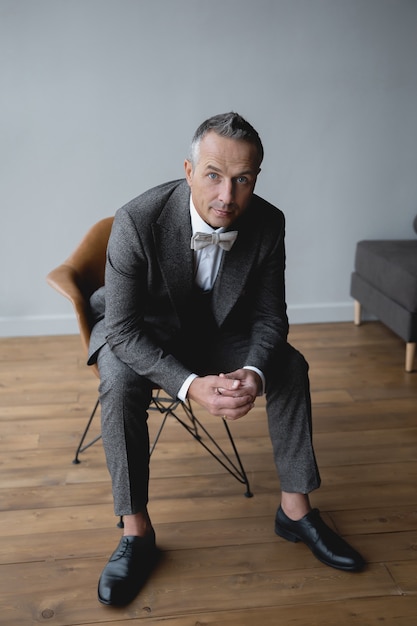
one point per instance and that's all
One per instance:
(172, 236)
(235, 267)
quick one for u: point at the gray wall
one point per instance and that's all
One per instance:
(99, 99)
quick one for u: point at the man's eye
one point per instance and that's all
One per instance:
(242, 179)
(212, 175)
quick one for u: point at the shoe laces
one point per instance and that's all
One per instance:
(123, 549)
(128, 544)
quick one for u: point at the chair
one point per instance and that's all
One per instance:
(76, 279)
(384, 282)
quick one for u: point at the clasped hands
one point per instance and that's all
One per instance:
(229, 395)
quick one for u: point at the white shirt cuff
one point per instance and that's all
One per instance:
(182, 393)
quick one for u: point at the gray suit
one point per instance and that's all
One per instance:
(150, 332)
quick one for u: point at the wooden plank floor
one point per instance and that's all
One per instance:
(221, 562)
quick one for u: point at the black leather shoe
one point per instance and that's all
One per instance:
(324, 543)
(127, 570)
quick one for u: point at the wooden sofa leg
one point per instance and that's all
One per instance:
(357, 313)
(410, 351)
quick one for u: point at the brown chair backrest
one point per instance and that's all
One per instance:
(82, 273)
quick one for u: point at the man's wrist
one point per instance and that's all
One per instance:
(261, 376)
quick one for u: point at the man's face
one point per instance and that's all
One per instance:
(223, 179)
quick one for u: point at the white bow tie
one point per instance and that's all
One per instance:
(224, 240)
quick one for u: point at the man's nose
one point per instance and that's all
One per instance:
(226, 192)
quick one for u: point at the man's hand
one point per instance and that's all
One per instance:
(228, 395)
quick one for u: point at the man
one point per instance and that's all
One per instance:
(204, 322)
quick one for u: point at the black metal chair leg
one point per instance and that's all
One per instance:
(237, 471)
(81, 448)
(158, 434)
(248, 493)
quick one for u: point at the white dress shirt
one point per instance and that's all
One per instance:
(207, 260)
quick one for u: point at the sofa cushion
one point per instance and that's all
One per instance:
(391, 267)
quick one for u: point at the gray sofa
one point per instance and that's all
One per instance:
(384, 282)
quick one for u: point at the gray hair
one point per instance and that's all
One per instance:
(231, 125)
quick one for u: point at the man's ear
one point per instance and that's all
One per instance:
(188, 167)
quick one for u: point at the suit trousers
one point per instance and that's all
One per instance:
(125, 397)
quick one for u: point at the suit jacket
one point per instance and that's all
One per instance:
(149, 280)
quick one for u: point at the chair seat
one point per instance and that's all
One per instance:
(391, 268)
